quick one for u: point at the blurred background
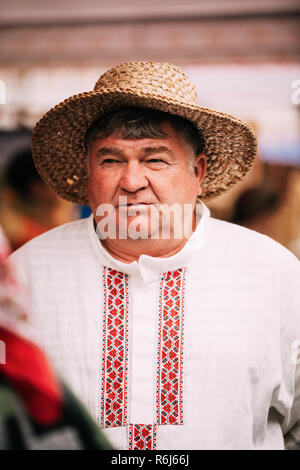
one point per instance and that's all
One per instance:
(243, 56)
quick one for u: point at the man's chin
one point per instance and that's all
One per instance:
(134, 210)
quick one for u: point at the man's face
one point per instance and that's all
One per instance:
(149, 172)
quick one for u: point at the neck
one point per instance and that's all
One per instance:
(131, 250)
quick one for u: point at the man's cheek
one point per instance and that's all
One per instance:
(178, 185)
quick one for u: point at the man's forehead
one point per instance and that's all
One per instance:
(117, 139)
(172, 143)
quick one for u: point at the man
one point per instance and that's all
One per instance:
(184, 341)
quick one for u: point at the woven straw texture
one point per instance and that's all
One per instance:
(58, 138)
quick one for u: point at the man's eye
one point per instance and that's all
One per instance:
(109, 161)
(156, 160)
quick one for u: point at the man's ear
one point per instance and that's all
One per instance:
(200, 167)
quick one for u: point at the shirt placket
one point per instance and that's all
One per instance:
(142, 367)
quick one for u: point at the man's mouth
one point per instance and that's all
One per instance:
(135, 208)
(134, 204)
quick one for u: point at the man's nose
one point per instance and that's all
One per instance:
(133, 177)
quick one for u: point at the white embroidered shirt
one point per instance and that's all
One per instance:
(195, 351)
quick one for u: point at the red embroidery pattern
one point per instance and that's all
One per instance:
(142, 437)
(115, 349)
(169, 394)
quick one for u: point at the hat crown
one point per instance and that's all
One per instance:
(150, 78)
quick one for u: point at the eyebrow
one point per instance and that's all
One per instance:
(147, 151)
(153, 150)
(104, 151)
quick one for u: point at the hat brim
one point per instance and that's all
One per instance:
(58, 140)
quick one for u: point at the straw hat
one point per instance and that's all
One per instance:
(58, 139)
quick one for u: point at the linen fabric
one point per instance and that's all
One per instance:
(205, 340)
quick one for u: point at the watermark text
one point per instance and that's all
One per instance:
(2, 92)
(141, 220)
(296, 93)
(296, 352)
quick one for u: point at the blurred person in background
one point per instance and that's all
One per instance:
(267, 201)
(28, 206)
(37, 410)
(254, 208)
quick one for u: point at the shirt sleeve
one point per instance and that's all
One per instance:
(289, 392)
(18, 265)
